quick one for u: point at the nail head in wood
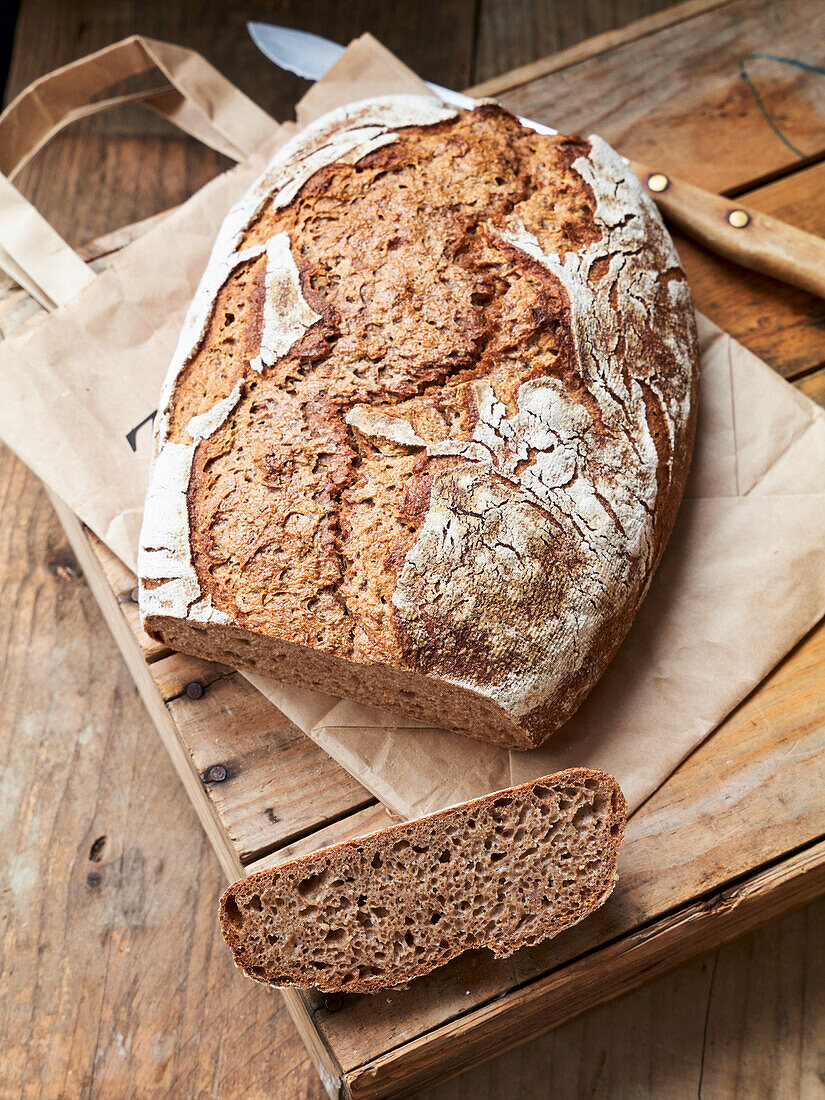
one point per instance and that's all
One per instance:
(63, 569)
(217, 773)
(194, 690)
(333, 1001)
(134, 595)
(739, 218)
(658, 182)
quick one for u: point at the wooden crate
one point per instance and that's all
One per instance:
(736, 836)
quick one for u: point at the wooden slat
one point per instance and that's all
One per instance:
(813, 386)
(673, 99)
(565, 57)
(108, 243)
(750, 794)
(636, 958)
(279, 784)
(509, 30)
(175, 673)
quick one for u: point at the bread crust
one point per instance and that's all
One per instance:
(429, 422)
(260, 911)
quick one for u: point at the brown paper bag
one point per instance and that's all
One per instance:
(90, 375)
(742, 580)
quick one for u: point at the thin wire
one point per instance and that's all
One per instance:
(804, 65)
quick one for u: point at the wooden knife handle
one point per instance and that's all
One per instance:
(739, 233)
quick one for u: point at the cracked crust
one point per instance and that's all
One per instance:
(429, 422)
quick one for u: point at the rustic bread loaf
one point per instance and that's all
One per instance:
(503, 871)
(429, 421)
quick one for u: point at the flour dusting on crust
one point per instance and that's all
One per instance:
(484, 520)
(287, 315)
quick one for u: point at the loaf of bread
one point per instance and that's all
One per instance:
(503, 871)
(429, 421)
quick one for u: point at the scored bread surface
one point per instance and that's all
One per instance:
(503, 871)
(428, 424)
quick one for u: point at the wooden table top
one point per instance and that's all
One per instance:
(107, 870)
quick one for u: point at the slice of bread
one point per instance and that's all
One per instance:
(503, 871)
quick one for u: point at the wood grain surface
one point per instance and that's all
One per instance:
(114, 979)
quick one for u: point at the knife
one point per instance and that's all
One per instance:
(738, 233)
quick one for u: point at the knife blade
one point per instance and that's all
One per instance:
(739, 233)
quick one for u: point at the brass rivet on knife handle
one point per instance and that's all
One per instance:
(658, 182)
(739, 218)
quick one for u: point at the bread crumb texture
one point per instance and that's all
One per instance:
(432, 411)
(502, 872)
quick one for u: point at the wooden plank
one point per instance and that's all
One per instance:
(777, 977)
(748, 795)
(276, 784)
(300, 1008)
(744, 1021)
(655, 949)
(509, 30)
(108, 243)
(675, 100)
(177, 672)
(493, 25)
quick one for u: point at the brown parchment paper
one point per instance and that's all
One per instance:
(742, 580)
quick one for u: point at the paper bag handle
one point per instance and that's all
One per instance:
(198, 99)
